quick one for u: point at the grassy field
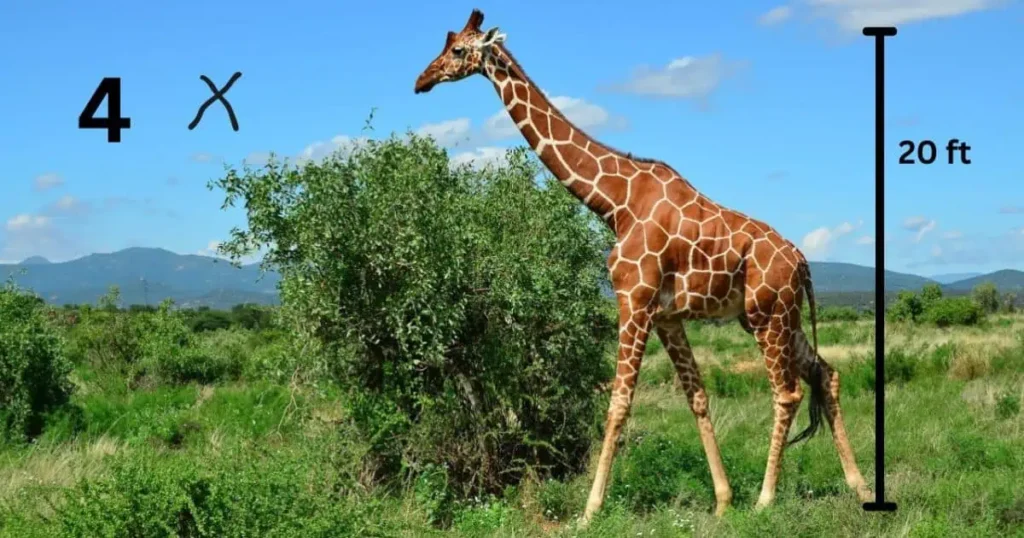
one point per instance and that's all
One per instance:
(273, 457)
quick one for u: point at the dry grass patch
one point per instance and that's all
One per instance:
(60, 466)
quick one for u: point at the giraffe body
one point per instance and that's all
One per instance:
(678, 256)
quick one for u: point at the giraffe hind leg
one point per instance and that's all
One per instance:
(774, 339)
(824, 383)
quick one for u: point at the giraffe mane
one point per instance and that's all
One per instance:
(514, 64)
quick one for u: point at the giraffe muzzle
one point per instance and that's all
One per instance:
(423, 85)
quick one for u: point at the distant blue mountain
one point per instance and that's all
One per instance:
(949, 278)
(149, 275)
(145, 276)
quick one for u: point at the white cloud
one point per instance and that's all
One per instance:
(997, 251)
(775, 16)
(689, 77)
(819, 241)
(582, 113)
(211, 250)
(322, 149)
(67, 203)
(256, 158)
(865, 240)
(46, 182)
(35, 235)
(853, 15)
(27, 222)
(202, 157)
(447, 133)
(920, 226)
(952, 234)
(479, 143)
(480, 157)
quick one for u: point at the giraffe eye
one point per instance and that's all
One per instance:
(458, 51)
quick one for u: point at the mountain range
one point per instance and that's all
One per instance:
(149, 275)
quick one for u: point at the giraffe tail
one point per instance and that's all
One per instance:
(817, 405)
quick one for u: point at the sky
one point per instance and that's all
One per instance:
(766, 108)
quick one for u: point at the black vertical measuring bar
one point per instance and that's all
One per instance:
(880, 33)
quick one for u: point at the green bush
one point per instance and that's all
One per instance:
(987, 297)
(460, 310)
(839, 313)
(239, 496)
(907, 307)
(33, 367)
(953, 311)
(173, 353)
(1007, 406)
(656, 470)
(108, 339)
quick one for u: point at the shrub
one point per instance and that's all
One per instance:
(242, 495)
(986, 296)
(33, 367)
(953, 311)
(839, 313)
(173, 353)
(655, 470)
(556, 500)
(1007, 406)
(108, 339)
(930, 294)
(1009, 303)
(900, 366)
(907, 307)
(969, 362)
(461, 310)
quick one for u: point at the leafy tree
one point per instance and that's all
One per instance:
(907, 307)
(33, 368)
(251, 316)
(206, 319)
(954, 311)
(930, 293)
(987, 297)
(1009, 302)
(461, 310)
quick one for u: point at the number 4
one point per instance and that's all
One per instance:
(110, 87)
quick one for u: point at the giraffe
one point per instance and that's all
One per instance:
(678, 256)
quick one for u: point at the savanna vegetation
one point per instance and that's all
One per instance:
(438, 366)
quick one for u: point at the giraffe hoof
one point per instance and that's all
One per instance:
(865, 495)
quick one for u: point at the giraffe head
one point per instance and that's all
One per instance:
(464, 54)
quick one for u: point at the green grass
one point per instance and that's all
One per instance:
(262, 458)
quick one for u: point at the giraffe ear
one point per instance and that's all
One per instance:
(449, 40)
(476, 18)
(492, 37)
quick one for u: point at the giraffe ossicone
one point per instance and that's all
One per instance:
(678, 256)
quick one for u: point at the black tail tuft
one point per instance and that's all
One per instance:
(816, 409)
(817, 406)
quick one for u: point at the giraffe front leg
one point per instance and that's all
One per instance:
(673, 336)
(634, 324)
(786, 395)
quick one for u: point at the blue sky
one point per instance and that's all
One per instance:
(766, 108)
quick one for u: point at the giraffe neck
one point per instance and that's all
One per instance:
(569, 153)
